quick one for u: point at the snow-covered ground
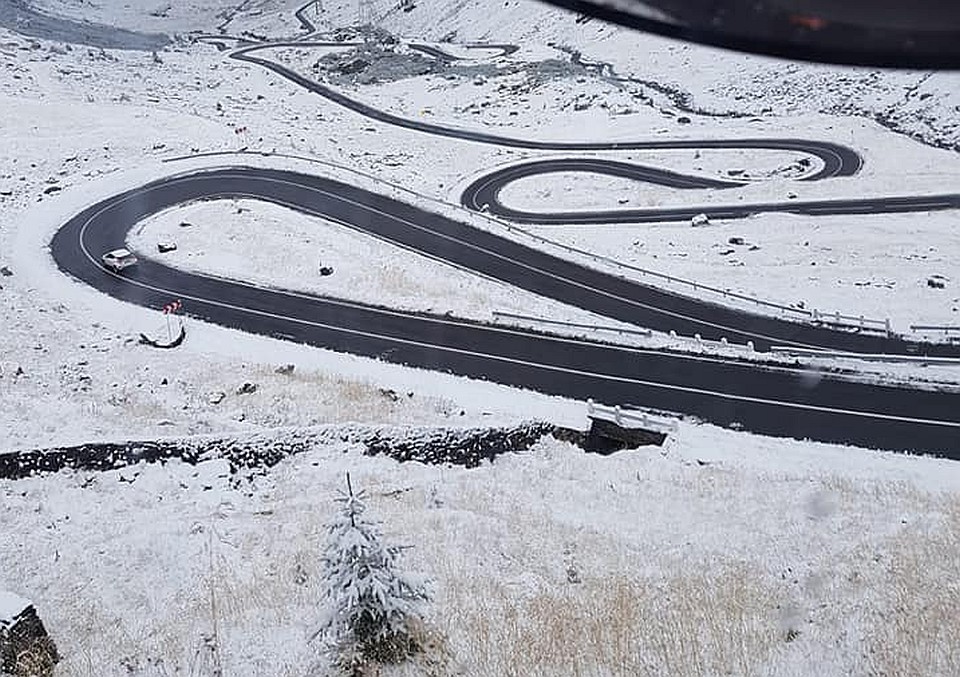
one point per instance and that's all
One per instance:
(192, 16)
(10, 607)
(530, 95)
(817, 262)
(805, 557)
(271, 245)
(701, 80)
(722, 553)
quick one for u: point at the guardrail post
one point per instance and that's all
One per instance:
(723, 340)
(861, 321)
(590, 407)
(697, 338)
(673, 333)
(886, 324)
(837, 317)
(750, 346)
(816, 315)
(617, 415)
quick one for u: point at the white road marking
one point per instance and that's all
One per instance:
(449, 349)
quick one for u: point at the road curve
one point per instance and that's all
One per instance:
(483, 194)
(836, 160)
(762, 398)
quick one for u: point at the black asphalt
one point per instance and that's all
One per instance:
(836, 160)
(484, 195)
(760, 398)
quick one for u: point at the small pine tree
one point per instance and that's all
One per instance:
(373, 610)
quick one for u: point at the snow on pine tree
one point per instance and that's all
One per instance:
(373, 609)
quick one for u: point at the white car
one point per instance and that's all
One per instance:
(118, 259)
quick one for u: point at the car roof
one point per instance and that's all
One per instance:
(119, 253)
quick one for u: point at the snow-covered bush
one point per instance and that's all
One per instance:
(373, 611)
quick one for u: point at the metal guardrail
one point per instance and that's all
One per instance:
(841, 320)
(573, 325)
(619, 416)
(834, 319)
(645, 333)
(722, 343)
(919, 360)
(945, 328)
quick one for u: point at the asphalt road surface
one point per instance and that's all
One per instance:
(835, 159)
(762, 398)
(484, 195)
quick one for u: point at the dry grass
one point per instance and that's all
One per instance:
(203, 629)
(914, 630)
(395, 279)
(720, 623)
(312, 397)
(885, 606)
(686, 625)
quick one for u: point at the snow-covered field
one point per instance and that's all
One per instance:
(532, 95)
(817, 262)
(722, 553)
(705, 80)
(286, 249)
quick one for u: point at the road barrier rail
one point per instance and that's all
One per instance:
(497, 314)
(945, 328)
(835, 320)
(865, 357)
(623, 417)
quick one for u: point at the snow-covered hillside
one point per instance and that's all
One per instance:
(705, 80)
(720, 553)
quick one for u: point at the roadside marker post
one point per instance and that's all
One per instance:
(168, 310)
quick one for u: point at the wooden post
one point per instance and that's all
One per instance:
(350, 494)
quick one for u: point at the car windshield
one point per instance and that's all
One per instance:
(446, 338)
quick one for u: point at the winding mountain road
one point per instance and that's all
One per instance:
(763, 398)
(484, 195)
(835, 159)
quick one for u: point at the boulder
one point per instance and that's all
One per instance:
(247, 388)
(353, 66)
(25, 648)
(606, 437)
